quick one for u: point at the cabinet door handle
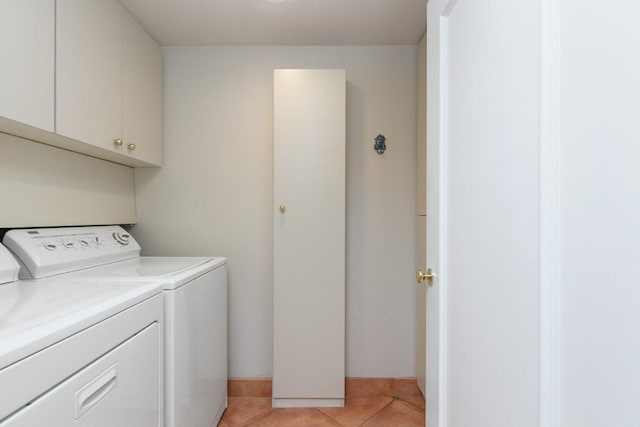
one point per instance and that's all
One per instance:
(118, 142)
(131, 147)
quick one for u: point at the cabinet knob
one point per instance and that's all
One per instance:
(282, 208)
(131, 147)
(118, 142)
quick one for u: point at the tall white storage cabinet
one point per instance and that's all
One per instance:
(309, 238)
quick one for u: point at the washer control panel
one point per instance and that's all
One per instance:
(49, 251)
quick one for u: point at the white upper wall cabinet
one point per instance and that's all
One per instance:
(142, 93)
(83, 76)
(89, 72)
(109, 80)
(27, 35)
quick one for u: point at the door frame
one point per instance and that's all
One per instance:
(437, 12)
(550, 220)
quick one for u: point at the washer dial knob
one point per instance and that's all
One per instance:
(122, 238)
(50, 246)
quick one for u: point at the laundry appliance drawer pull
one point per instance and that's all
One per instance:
(93, 392)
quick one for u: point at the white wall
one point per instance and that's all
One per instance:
(598, 297)
(214, 194)
(47, 186)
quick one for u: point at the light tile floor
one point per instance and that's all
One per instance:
(403, 410)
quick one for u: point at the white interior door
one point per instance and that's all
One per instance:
(483, 213)
(309, 238)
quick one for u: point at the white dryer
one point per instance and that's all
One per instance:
(78, 354)
(195, 307)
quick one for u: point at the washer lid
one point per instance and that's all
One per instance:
(9, 267)
(36, 314)
(152, 267)
(171, 272)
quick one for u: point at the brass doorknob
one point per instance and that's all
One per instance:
(282, 209)
(421, 276)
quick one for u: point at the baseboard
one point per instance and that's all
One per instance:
(307, 403)
(354, 387)
(249, 387)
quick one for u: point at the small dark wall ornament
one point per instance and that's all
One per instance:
(379, 144)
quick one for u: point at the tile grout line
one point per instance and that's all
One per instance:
(329, 416)
(256, 418)
(376, 413)
(252, 420)
(407, 402)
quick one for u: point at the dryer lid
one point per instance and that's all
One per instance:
(35, 314)
(9, 267)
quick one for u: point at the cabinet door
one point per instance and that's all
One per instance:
(89, 71)
(309, 238)
(142, 93)
(27, 34)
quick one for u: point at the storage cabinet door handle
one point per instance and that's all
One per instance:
(92, 393)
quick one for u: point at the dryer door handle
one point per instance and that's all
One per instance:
(93, 392)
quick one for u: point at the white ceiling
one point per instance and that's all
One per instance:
(297, 22)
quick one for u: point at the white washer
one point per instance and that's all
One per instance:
(79, 354)
(195, 301)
